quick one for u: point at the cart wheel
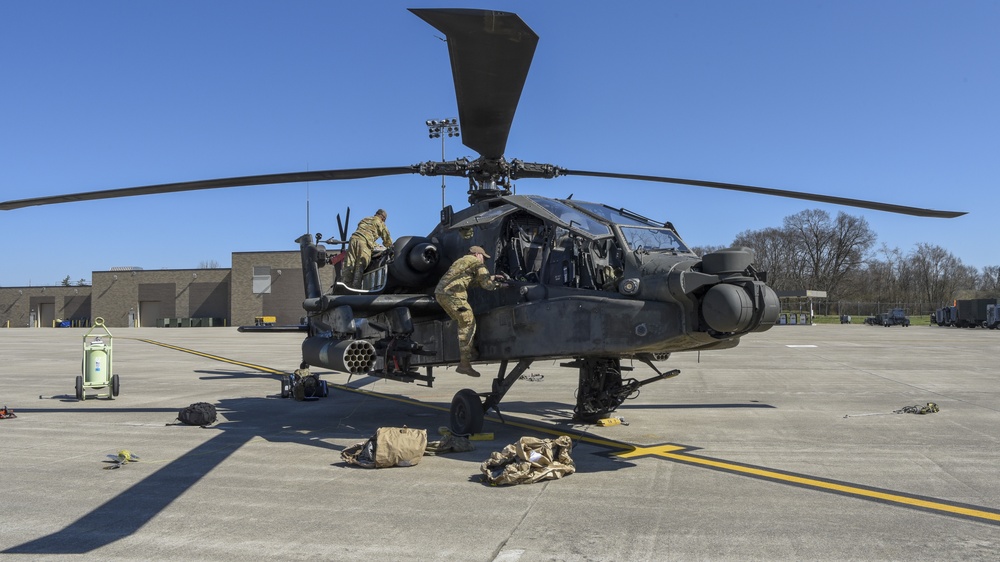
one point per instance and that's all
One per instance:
(115, 386)
(286, 386)
(79, 388)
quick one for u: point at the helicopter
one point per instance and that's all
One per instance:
(588, 284)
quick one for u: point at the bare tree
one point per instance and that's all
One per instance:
(773, 253)
(826, 251)
(881, 279)
(989, 281)
(939, 274)
(702, 250)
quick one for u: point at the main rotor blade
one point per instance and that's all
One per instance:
(292, 177)
(490, 55)
(887, 207)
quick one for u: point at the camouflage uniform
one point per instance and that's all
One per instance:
(359, 250)
(451, 293)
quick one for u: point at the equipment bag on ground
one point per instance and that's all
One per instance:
(199, 413)
(530, 460)
(390, 446)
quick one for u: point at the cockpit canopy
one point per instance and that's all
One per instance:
(590, 220)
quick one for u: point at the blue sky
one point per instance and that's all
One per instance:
(890, 100)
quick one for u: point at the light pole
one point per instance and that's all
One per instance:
(441, 128)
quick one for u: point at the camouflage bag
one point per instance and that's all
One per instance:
(390, 446)
(530, 460)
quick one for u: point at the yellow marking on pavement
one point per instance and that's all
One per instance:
(217, 358)
(659, 450)
(669, 451)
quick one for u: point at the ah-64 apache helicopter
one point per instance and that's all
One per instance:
(589, 283)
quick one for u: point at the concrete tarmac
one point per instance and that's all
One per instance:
(784, 448)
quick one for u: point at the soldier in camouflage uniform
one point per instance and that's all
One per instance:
(451, 293)
(361, 244)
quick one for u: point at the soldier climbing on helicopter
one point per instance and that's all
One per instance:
(362, 242)
(452, 294)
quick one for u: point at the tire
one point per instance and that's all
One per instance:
(115, 386)
(79, 388)
(466, 413)
(286, 386)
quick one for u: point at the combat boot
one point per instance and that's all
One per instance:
(465, 368)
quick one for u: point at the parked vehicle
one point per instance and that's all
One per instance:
(895, 317)
(993, 316)
(946, 316)
(967, 313)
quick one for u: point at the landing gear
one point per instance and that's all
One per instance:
(602, 388)
(468, 411)
(601, 391)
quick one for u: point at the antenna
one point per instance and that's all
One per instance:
(308, 231)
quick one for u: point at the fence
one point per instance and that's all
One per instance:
(855, 308)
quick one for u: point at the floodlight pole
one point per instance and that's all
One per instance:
(441, 128)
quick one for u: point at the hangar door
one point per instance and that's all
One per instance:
(149, 311)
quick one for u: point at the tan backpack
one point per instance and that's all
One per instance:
(390, 446)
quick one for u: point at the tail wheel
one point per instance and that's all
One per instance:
(466, 413)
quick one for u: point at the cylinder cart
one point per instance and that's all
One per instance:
(97, 363)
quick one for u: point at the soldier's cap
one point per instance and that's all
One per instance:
(478, 250)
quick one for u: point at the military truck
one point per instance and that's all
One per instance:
(895, 317)
(946, 316)
(972, 312)
(993, 316)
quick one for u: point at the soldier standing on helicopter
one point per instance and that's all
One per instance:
(361, 244)
(452, 294)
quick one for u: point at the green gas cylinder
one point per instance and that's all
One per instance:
(97, 368)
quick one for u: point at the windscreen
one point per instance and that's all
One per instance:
(652, 239)
(572, 217)
(639, 232)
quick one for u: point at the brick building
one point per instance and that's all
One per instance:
(258, 284)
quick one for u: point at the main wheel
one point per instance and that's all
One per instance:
(466, 413)
(79, 387)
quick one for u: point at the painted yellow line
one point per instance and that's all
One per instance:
(217, 358)
(669, 451)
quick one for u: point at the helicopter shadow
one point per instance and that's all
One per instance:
(127, 512)
(284, 421)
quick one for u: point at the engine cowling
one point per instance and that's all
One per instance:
(416, 259)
